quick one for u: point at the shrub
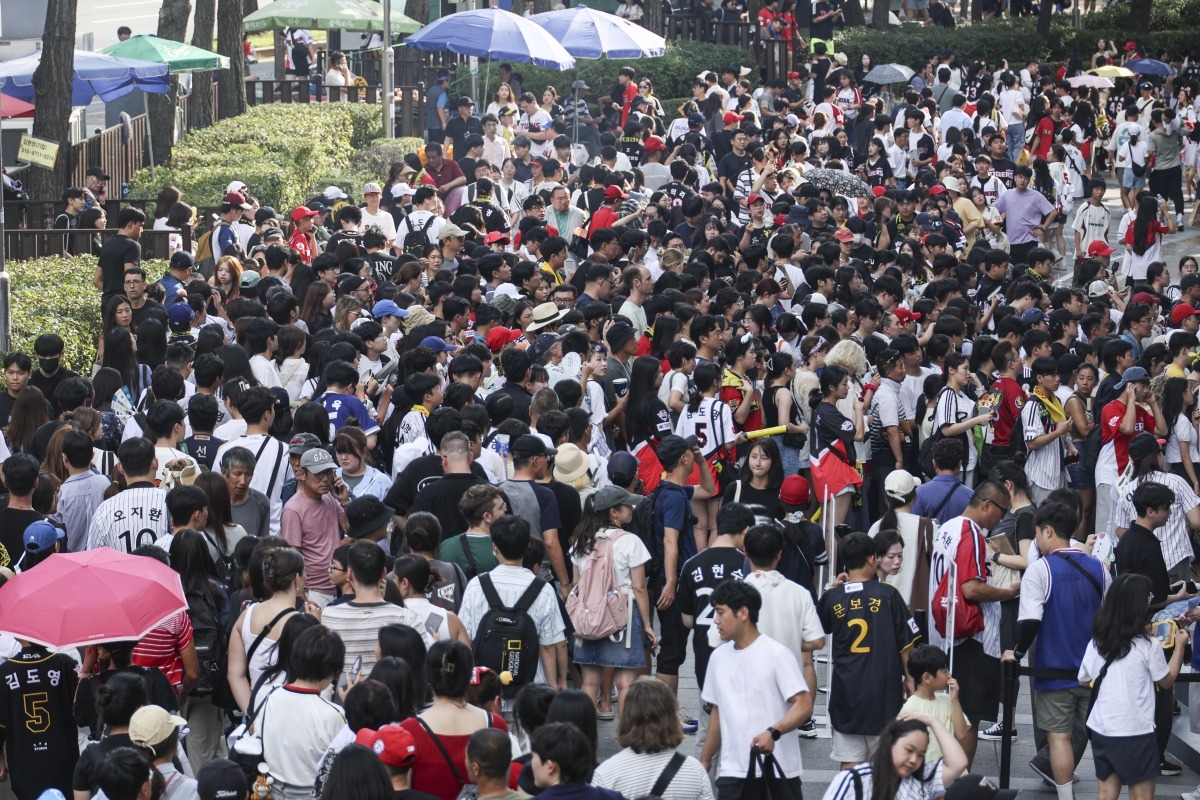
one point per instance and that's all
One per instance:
(281, 151)
(369, 163)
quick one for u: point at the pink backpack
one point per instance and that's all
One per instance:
(597, 606)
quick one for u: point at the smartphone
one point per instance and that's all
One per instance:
(355, 668)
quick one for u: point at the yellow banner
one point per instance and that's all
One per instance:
(38, 151)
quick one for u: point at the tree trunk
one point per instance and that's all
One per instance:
(853, 12)
(52, 95)
(541, 6)
(879, 15)
(249, 7)
(652, 20)
(231, 83)
(172, 24)
(200, 103)
(1045, 17)
(1139, 15)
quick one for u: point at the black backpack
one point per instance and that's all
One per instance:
(643, 526)
(417, 239)
(507, 638)
(225, 566)
(212, 650)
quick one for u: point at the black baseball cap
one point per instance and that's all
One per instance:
(529, 446)
(672, 448)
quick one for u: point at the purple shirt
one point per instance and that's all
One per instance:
(1023, 211)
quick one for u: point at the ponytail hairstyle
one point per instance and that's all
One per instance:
(449, 665)
(777, 364)
(831, 378)
(951, 362)
(890, 519)
(415, 570)
(583, 539)
(116, 700)
(704, 376)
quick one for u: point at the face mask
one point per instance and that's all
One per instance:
(49, 365)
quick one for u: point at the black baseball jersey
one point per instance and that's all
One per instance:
(871, 627)
(37, 727)
(701, 574)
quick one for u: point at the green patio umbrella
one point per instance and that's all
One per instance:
(178, 56)
(327, 15)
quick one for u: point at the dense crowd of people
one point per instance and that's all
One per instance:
(451, 476)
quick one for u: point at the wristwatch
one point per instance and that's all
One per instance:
(775, 734)
(996, 558)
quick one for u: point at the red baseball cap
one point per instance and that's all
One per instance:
(238, 199)
(1147, 298)
(937, 188)
(614, 193)
(843, 235)
(1099, 249)
(1182, 312)
(655, 144)
(495, 237)
(731, 117)
(795, 491)
(302, 212)
(498, 337)
(905, 316)
(394, 745)
(755, 198)
(793, 76)
(878, 191)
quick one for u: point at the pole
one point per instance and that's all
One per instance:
(149, 132)
(952, 602)
(388, 74)
(5, 287)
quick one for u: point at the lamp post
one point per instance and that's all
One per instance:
(388, 74)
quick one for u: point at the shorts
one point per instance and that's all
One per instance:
(672, 635)
(607, 652)
(1133, 759)
(1081, 475)
(851, 748)
(1129, 181)
(978, 681)
(1058, 709)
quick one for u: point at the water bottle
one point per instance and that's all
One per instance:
(124, 191)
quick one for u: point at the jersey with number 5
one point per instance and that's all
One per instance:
(871, 627)
(131, 519)
(711, 423)
(37, 726)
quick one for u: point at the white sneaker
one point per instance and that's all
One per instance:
(1179, 221)
(1194, 794)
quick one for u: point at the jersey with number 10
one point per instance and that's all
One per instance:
(871, 627)
(130, 519)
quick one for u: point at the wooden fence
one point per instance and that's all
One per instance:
(24, 244)
(184, 104)
(410, 100)
(120, 154)
(32, 214)
(772, 57)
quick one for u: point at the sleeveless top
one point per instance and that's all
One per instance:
(435, 619)
(267, 653)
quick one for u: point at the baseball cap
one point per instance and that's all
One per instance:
(236, 186)
(97, 172)
(393, 744)
(614, 193)
(899, 484)
(924, 219)
(1060, 316)
(40, 536)
(237, 199)
(905, 316)
(655, 144)
(179, 314)
(317, 460)
(730, 118)
(755, 198)
(496, 237)
(450, 229)
(795, 491)
(843, 235)
(792, 120)
(1099, 249)
(1133, 375)
(793, 76)
(695, 118)
(387, 308)
(303, 212)
(1147, 298)
(152, 725)
(366, 514)
(1145, 85)
(265, 214)
(497, 337)
(1034, 316)
(613, 496)
(1182, 312)
(437, 344)
(672, 447)
(182, 259)
(221, 779)
(1189, 280)
(1098, 289)
(977, 787)
(333, 193)
(622, 468)
(580, 86)
(528, 446)
(1142, 445)
(372, 188)
(250, 279)
(301, 443)
(1134, 129)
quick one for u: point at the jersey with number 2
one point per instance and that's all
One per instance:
(711, 423)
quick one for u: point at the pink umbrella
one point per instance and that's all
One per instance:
(11, 107)
(77, 599)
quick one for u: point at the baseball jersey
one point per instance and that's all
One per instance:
(341, 408)
(871, 627)
(134, 518)
(37, 726)
(711, 423)
(960, 540)
(700, 576)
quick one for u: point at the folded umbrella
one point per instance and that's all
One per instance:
(77, 599)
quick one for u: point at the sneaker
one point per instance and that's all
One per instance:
(690, 723)
(1170, 767)
(996, 732)
(809, 731)
(1048, 779)
(1194, 794)
(1179, 221)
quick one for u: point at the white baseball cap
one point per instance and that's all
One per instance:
(900, 484)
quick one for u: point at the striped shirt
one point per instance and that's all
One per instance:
(162, 647)
(135, 517)
(1045, 465)
(634, 775)
(961, 541)
(1173, 536)
(952, 408)
(358, 624)
(925, 784)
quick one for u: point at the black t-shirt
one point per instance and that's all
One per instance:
(40, 738)
(41, 438)
(411, 794)
(440, 497)
(925, 147)
(732, 165)
(701, 574)
(1141, 553)
(493, 218)
(414, 478)
(871, 627)
(655, 422)
(878, 171)
(354, 237)
(383, 266)
(50, 384)
(767, 498)
(114, 255)
(570, 510)
(93, 754)
(158, 691)
(13, 522)
(823, 29)
(458, 129)
(150, 310)
(1003, 169)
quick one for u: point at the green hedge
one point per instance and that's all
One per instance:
(55, 294)
(672, 73)
(369, 162)
(285, 152)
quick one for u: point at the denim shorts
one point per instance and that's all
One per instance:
(1081, 475)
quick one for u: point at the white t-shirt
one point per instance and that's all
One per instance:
(383, 219)
(711, 413)
(788, 614)
(628, 552)
(266, 371)
(751, 687)
(1184, 431)
(1125, 702)
(674, 381)
(909, 526)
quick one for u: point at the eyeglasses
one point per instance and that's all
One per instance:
(333, 567)
(134, 283)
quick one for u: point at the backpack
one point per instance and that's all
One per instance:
(225, 566)
(643, 526)
(208, 635)
(507, 638)
(417, 239)
(206, 260)
(596, 606)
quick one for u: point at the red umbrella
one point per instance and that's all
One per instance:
(77, 599)
(12, 107)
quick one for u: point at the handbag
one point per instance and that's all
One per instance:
(722, 466)
(765, 779)
(246, 748)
